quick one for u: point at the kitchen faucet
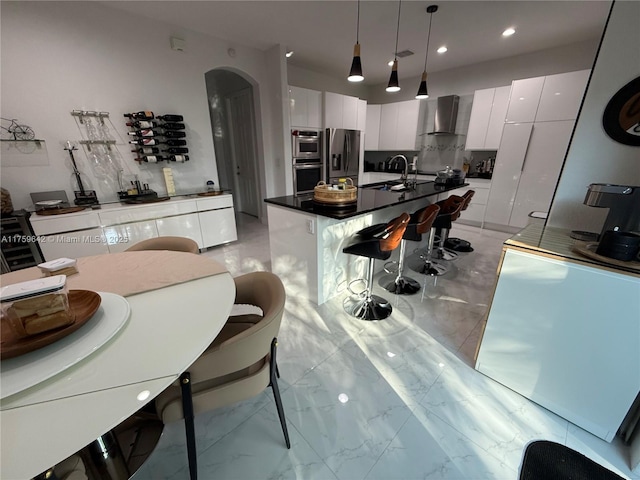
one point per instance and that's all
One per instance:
(405, 174)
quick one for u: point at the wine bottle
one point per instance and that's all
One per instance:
(174, 134)
(145, 115)
(146, 150)
(172, 142)
(141, 124)
(150, 159)
(173, 126)
(176, 150)
(144, 141)
(170, 118)
(143, 133)
(178, 158)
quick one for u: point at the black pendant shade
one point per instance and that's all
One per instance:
(393, 85)
(355, 74)
(422, 90)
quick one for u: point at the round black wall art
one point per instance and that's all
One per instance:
(621, 117)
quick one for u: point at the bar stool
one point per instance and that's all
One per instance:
(448, 210)
(458, 244)
(368, 306)
(419, 223)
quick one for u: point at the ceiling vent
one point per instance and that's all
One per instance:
(405, 53)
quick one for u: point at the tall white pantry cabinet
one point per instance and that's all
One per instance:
(538, 127)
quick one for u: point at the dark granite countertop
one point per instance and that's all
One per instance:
(369, 200)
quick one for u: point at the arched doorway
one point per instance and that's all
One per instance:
(233, 123)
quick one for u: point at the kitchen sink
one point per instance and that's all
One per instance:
(391, 185)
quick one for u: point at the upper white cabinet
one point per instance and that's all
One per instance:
(524, 99)
(487, 118)
(305, 107)
(545, 99)
(340, 111)
(361, 122)
(561, 96)
(372, 133)
(399, 125)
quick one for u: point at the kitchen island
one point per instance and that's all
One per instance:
(563, 329)
(306, 238)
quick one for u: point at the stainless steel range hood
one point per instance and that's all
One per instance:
(446, 115)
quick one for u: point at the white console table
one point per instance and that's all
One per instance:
(209, 221)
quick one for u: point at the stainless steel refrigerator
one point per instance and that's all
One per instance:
(342, 154)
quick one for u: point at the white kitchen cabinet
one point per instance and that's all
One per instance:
(121, 237)
(506, 173)
(217, 220)
(565, 335)
(524, 99)
(399, 125)
(305, 108)
(372, 133)
(361, 122)
(527, 169)
(82, 243)
(541, 169)
(181, 226)
(561, 96)
(340, 111)
(488, 112)
(474, 214)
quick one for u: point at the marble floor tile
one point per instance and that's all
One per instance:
(395, 399)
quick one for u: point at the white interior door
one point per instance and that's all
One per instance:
(243, 150)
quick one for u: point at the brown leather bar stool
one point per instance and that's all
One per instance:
(419, 224)
(458, 244)
(368, 306)
(449, 211)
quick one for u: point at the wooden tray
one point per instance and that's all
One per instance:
(212, 193)
(59, 211)
(588, 249)
(137, 201)
(83, 304)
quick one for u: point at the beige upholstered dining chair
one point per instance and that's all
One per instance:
(177, 244)
(239, 364)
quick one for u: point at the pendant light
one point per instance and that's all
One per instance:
(394, 86)
(422, 90)
(355, 74)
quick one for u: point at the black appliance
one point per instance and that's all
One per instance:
(19, 245)
(307, 164)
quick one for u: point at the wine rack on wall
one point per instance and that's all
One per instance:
(158, 138)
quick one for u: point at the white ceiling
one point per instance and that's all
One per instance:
(322, 33)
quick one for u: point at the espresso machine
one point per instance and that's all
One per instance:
(623, 202)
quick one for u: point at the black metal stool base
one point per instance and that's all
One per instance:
(458, 245)
(373, 308)
(399, 286)
(434, 269)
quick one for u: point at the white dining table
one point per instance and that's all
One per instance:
(178, 303)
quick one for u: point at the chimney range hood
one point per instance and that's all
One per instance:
(446, 115)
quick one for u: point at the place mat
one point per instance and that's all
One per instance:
(550, 460)
(588, 249)
(83, 305)
(128, 273)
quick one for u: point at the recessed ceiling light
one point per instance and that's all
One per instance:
(442, 49)
(289, 54)
(508, 32)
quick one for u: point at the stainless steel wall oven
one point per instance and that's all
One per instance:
(307, 163)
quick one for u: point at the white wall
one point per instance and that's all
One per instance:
(301, 77)
(61, 56)
(593, 157)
